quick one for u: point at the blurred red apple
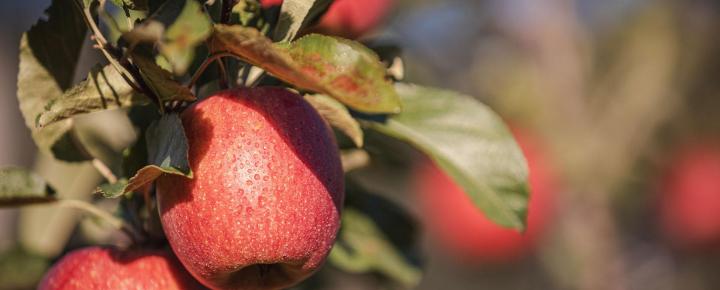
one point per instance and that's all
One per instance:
(97, 268)
(263, 208)
(690, 196)
(464, 231)
(348, 18)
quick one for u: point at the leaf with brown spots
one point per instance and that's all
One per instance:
(340, 68)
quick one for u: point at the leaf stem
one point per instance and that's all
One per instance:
(223, 75)
(206, 63)
(87, 16)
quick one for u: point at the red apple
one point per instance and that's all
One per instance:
(97, 268)
(348, 18)
(263, 208)
(690, 196)
(464, 231)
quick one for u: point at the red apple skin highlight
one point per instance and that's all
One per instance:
(690, 196)
(348, 18)
(97, 268)
(263, 208)
(463, 230)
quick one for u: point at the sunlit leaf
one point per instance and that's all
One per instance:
(49, 52)
(296, 14)
(113, 190)
(104, 89)
(339, 68)
(469, 142)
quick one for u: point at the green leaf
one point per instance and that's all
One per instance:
(103, 89)
(364, 248)
(160, 81)
(20, 187)
(338, 116)
(340, 68)
(113, 190)
(470, 143)
(177, 28)
(49, 52)
(296, 14)
(56, 42)
(167, 148)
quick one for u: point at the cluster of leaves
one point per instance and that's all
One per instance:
(162, 55)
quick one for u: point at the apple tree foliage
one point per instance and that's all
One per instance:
(159, 56)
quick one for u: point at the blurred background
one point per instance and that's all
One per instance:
(615, 103)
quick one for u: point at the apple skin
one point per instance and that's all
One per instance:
(263, 208)
(464, 232)
(689, 207)
(98, 268)
(348, 18)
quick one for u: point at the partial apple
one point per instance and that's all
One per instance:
(348, 18)
(463, 231)
(97, 268)
(689, 207)
(263, 208)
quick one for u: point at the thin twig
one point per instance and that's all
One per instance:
(104, 46)
(129, 73)
(104, 170)
(224, 84)
(206, 63)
